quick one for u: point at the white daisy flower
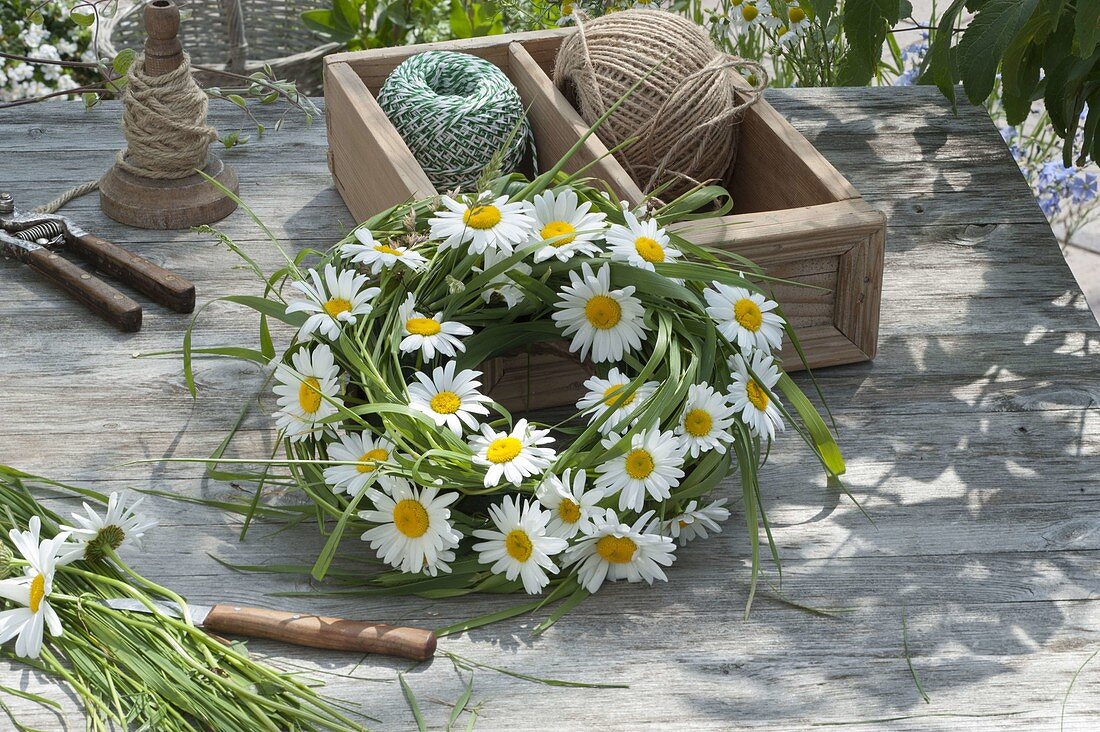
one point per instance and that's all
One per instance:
(651, 465)
(796, 22)
(693, 523)
(378, 256)
(571, 506)
(747, 14)
(120, 528)
(429, 335)
(338, 300)
(369, 454)
(27, 623)
(615, 551)
(448, 398)
(753, 397)
(502, 284)
(640, 243)
(566, 227)
(745, 318)
(521, 546)
(307, 392)
(414, 532)
(487, 224)
(601, 320)
(705, 422)
(605, 394)
(513, 455)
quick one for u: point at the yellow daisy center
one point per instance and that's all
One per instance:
(749, 12)
(558, 228)
(747, 314)
(683, 524)
(782, 30)
(309, 394)
(503, 450)
(481, 217)
(603, 312)
(446, 402)
(411, 518)
(616, 549)
(422, 326)
(757, 395)
(639, 464)
(518, 545)
(649, 250)
(736, 3)
(698, 422)
(337, 305)
(617, 402)
(796, 15)
(368, 461)
(384, 249)
(569, 511)
(38, 591)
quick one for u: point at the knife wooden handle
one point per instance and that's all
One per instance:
(162, 286)
(107, 302)
(315, 631)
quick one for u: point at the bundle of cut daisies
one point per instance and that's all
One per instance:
(129, 670)
(390, 430)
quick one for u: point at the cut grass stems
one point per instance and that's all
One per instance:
(148, 671)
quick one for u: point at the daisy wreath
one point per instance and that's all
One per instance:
(389, 431)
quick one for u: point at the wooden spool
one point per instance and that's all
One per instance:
(180, 203)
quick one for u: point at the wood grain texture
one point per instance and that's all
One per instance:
(972, 439)
(317, 631)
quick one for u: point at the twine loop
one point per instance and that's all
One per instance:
(458, 114)
(164, 122)
(682, 117)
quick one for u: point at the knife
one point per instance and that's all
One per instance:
(300, 629)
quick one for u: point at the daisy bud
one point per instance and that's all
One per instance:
(7, 567)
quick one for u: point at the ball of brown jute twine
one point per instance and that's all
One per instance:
(684, 114)
(164, 122)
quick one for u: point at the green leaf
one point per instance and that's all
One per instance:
(84, 20)
(1087, 27)
(346, 15)
(414, 706)
(124, 60)
(1020, 71)
(819, 431)
(865, 24)
(461, 26)
(90, 99)
(984, 43)
(941, 67)
(823, 9)
(324, 24)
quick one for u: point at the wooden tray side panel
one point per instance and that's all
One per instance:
(558, 127)
(777, 168)
(372, 165)
(375, 65)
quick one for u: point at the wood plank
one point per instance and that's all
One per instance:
(972, 440)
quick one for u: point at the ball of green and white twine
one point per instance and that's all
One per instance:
(456, 112)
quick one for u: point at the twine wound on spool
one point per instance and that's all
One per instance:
(683, 113)
(164, 122)
(458, 114)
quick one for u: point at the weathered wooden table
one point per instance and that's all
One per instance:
(973, 441)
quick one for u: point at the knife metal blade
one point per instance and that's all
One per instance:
(171, 609)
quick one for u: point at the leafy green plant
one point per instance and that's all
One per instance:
(362, 24)
(1044, 49)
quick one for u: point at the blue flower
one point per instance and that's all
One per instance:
(1082, 187)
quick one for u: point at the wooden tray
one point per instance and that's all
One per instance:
(794, 214)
